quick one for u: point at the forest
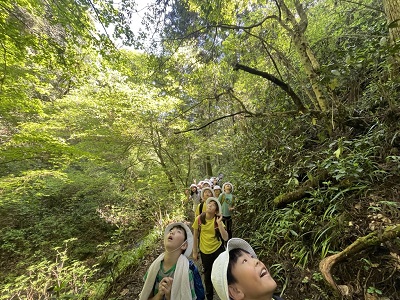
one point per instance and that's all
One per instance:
(104, 124)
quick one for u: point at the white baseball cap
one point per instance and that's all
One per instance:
(189, 236)
(220, 266)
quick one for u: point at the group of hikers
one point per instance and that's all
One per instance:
(230, 265)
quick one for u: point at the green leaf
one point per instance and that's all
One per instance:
(335, 72)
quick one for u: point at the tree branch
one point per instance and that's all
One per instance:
(209, 123)
(228, 26)
(284, 86)
(365, 5)
(96, 11)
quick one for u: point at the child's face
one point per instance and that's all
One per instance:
(212, 207)
(253, 279)
(207, 193)
(227, 188)
(175, 238)
(217, 192)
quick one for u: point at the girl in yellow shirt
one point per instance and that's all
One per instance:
(209, 230)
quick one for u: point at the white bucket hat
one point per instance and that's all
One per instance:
(220, 266)
(206, 188)
(216, 200)
(226, 183)
(216, 187)
(189, 236)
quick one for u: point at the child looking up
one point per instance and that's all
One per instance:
(194, 195)
(217, 191)
(210, 232)
(237, 274)
(169, 276)
(206, 192)
(227, 201)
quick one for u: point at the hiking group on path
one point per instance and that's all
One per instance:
(230, 266)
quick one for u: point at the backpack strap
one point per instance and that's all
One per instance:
(222, 198)
(201, 207)
(199, 223)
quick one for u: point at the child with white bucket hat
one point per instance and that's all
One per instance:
(238, 274)
(169, 276)
(209, 236)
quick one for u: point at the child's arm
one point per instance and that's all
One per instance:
(221, 227)
(232, 206)
(195, 242)
(158, 296)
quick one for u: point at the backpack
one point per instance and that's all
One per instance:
(198, 283)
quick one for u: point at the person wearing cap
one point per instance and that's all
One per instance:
(209, 231)
(206, 183)
(206, 192)
(227, 200)
(194, 195)
(217, 191)
(237, 274)
(169, 276)
(215, 181)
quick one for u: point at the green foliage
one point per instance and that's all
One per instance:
(373, 290)
(61, 278)
(97, 144)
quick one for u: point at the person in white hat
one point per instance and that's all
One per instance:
(217, 191)
(209, 231)
(238, 274)
(194, 196)
(169, 276)
(206, 192)
(228, 202)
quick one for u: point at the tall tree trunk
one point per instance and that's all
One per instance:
(392, 11)
(207, 166)
(157, 147)
(308, 59)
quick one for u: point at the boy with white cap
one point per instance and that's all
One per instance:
(237, 274)
(169, 276)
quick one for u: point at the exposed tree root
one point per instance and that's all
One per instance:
(373, 239)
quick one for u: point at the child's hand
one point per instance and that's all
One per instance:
(219, 219)
(165, 286)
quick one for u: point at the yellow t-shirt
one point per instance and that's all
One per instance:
(209, 243)
(197, 212)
